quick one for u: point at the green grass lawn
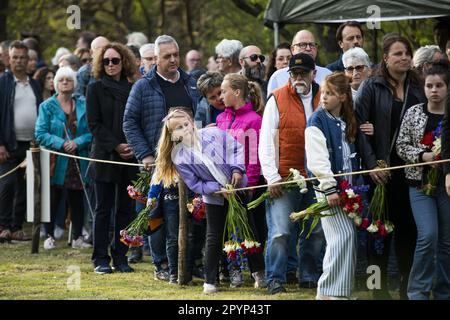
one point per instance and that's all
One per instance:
(45, 276)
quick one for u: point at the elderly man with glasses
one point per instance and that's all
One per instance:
(282, 146)
(303, 42)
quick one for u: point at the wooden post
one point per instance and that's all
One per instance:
(182, 235)
(37, 197)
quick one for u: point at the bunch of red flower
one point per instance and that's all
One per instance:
(428, 139)
(129, 240)
(136, 195)
(351, 198)
(197, 208)
(251, 247)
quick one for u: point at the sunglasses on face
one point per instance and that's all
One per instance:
(254, 57)
(85, 60)
(115, 61)
(359, 68)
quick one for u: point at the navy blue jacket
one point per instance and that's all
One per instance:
(337, 65)
(331, 129)
(145, 109)
(7, 94)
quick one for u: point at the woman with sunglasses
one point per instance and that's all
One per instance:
(106, 99)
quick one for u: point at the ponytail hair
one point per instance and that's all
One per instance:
(256, 97)
(250, 90)
(165, 170)
(339, 84)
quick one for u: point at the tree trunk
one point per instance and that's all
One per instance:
(163, 16)
(3, 19)
(183, 278)
(189, 19)
(37, 199)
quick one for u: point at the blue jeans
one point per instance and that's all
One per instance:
(156, 241)
(432, 255)
(311, 252)
(171, 220)
(281, 229)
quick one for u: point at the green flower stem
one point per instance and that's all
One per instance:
(139, 225)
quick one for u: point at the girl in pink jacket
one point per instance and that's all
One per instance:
(242, 120)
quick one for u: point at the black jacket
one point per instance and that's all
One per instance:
(373, 103)
(105, 119)
(7, 94)
(445, 136)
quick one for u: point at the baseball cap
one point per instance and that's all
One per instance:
(302, 61)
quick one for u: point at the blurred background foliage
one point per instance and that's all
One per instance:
(196, 24)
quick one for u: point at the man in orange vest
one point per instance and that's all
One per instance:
(282, 146)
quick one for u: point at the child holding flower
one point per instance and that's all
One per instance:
(242, 120)
(207, 160)
(431, 210)
(329, 145)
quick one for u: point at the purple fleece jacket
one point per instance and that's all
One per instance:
(223, 150)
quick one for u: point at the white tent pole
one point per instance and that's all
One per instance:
(276, 34)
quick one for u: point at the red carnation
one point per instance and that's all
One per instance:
(382, 230)
(428, 139)
(344, 184)
(365, 223)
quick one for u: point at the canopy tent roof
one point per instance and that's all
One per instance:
(284, 12)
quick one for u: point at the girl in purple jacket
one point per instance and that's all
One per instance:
(207, 160)
(242, 119)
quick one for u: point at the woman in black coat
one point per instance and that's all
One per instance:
(446, 143)
(382, 100)
(106, 100)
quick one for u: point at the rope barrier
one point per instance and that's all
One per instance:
(12, 170)
(246, 188)
(339, 175)
(93, 160)
(78, 157)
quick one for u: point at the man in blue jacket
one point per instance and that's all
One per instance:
(348, 35)
(20, 97)
(165, 86)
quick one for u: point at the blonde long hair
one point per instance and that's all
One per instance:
(165, 170)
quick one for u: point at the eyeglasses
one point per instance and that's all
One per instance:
(303, 45)
(115, 61)
(65, 79)
(254, 57)
(296, 73)
(86, 60)
(359, 68)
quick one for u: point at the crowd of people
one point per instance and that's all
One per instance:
(258, 117)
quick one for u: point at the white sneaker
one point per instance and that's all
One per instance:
(59, 232)
(209, 288)
(260, 279)
(49, 243)
(80, 244)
